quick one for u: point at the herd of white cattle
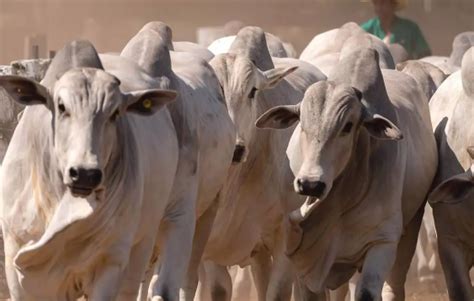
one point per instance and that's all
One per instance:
(139, 175)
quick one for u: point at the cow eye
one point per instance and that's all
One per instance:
(347, 128)
(114, 115)
(61, 108)
(252, 93)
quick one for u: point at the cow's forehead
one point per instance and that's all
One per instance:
(87, 78)
(242, 73)
(88, 88)
(324, 100)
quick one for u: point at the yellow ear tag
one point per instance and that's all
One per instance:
(147, 104)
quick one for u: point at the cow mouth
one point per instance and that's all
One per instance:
(78, 191)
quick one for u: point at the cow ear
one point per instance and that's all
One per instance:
(280, 117)
(400, 66)
(470, 151)
(358, 93)
(453, 190)
(380, 127)
(24, 91)
(270, 78)
(148, 102)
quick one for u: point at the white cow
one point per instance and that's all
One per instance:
(365, 192)
(452, 199)
(428, 76)
(461, 43)
(206, 35)
(193, 48)
(326, 49)
(206, 138)
(276, 46)
(248, 228)
(91, 163)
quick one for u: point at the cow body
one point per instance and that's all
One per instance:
(205, 137)
(276, 46)
(327, 48)
(428, 76)
(247, 229)
(60, 246)
(452, 198)
(365, 195)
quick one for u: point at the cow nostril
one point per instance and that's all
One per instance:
(94, 176)
(319, 188)
(82, 177)
(74, 174)
(299, 184)
(310, 188)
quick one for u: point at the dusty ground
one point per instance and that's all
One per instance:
(415, 290)
(422, 293)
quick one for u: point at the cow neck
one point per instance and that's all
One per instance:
(121, 166)
(46, 181)
(180, 113)
(260, 141)
(317, 235)
(351, 187)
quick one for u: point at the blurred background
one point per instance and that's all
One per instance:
(36, 27)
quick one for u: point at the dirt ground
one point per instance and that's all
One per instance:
(434, 290)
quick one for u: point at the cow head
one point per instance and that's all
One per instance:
(87, 107)
(331, 117)
(457, 188)
(242, 83)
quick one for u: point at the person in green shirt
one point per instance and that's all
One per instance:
(392, 29)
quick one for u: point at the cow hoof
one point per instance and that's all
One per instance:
(157, 298)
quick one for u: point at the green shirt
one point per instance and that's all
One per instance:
(404, 32)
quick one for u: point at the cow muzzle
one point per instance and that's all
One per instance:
(84, 181)
(310, 188)
(239, 154)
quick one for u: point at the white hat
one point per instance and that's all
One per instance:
(399, 4)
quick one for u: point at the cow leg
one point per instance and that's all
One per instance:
(377, 265)
(137, 267)
(282, 276)
(456, 270)
(242, 284)
(428, 224)
(107, 278)
(394, 289)
(421, 253)
(261, 265)
(145, 285)
(201, 236)
(219, 281)
(302, 293)
(175, 240)
(340, 293)
(17, 293)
